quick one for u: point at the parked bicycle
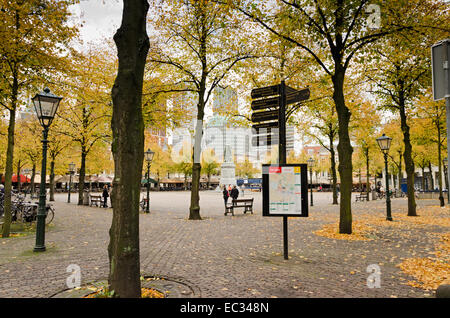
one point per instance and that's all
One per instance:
(22, 211)
(143, 204)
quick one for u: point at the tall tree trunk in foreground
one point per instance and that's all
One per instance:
(52, 181)
(128, 149)
(366, 154)
(407, 155)
(82, 176)
(333, 169)
(345, 151)
(8, 173)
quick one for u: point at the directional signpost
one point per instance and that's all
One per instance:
(269, 104)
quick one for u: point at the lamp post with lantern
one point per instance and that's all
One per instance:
(311, 164)
(148, 157)
(446, 179)
(384, 143)
(46, 104)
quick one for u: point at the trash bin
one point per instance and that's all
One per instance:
(86, 197)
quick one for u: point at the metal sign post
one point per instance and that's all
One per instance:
(276, 98)
(440, 54)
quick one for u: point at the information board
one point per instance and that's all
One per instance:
(285, 190)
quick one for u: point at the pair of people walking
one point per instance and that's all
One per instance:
(230, 192)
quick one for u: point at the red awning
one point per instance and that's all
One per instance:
(23, 179)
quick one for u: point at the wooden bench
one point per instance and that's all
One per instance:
(362, 196)
(96, 199)
(247, 204)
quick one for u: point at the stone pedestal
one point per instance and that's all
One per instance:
(228, 174)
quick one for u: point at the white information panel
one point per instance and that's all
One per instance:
(285, 190)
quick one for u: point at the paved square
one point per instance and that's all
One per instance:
(222, 256)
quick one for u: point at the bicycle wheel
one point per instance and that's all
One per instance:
(50, 215)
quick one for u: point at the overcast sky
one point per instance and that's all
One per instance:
(101, 18)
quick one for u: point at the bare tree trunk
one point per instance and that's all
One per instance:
(128, 149)
(8, 175)
(194, 210)
(423, 177)
(366, 151)
(82, 176)
(33, 175)
(409, 163)
(345, 151)
(19, 184)
(431, 176)
(333, 170)
(52, 180)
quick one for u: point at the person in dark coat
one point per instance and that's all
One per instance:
(105, 196)
(225, 195)
(234, 193)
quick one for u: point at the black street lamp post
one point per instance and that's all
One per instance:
(148, 157)
(71, 172)
(384, 143)
(46, 104)
(446, 179)
(311, 164)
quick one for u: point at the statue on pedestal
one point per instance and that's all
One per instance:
(228, 169)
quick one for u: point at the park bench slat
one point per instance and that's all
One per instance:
(247, 204)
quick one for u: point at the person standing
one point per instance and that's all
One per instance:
(234, 193)
(225, 195)
(105, 196)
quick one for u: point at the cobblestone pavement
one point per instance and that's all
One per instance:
(220, 256)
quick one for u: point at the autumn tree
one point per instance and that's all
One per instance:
(334, 34)
(319, 122)
(434, 129)
(364, 125)
(34, 35)
(87, 110)
(401, 71)
(29, 144)
(201, 42)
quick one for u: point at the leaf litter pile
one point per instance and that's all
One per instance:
(428, 272)
(145, 293)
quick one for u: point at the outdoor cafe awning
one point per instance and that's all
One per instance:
(23, 179)
(144, 181)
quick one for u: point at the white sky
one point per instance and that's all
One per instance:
(100, 18)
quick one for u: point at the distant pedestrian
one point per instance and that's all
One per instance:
(234, 193)
(105, 196)
(225, 195)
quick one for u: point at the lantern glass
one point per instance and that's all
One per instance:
(446, 162)
(149, 155)
(311, 162)
(46, 104)
(384, 142)
(72, 167)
